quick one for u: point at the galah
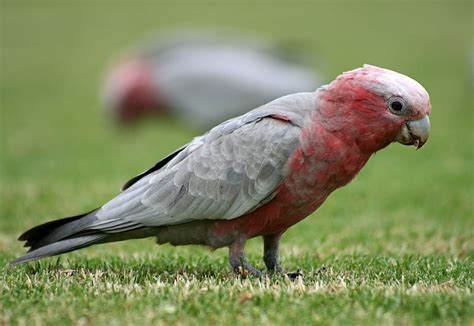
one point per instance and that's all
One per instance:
(254, 175)
(202, 78)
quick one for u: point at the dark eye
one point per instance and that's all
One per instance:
(397, 105)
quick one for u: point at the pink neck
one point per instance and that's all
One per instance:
(355, 117)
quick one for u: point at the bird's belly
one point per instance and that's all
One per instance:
(273, 218)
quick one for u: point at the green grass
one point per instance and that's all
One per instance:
(394, 247)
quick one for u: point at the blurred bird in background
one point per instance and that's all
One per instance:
(202, 77)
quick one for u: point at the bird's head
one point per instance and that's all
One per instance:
(130, 92)
(374, 107)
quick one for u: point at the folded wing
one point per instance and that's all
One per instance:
(228, 172)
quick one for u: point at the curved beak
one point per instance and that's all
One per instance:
(414, 132)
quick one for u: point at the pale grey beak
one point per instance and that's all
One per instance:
(414, 132)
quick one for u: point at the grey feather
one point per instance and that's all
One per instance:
(59, 247)
(224, 174)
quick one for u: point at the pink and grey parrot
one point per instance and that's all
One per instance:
(254, 175)
(203, 78)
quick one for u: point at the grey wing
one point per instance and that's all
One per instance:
(228, 172)
(154, 168)
(224, 178)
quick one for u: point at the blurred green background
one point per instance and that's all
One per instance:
(60, 157)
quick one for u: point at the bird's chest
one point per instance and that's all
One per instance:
(318, 170)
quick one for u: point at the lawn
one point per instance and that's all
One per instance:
(393, 247)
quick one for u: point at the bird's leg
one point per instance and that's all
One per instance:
(237, 258)
(271, 243)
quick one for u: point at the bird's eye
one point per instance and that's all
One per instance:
(397, 105)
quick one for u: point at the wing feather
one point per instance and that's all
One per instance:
(224, 174)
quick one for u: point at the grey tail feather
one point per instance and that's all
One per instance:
(60, 247)
(72, 233)
(59, 236)
(38, 233)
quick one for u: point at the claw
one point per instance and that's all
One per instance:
(244, 269)
(247, 271)
(294, 275)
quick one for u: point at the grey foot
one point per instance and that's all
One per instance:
(238, 261)
(271, 244)
(295, 275)
(244, 269)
